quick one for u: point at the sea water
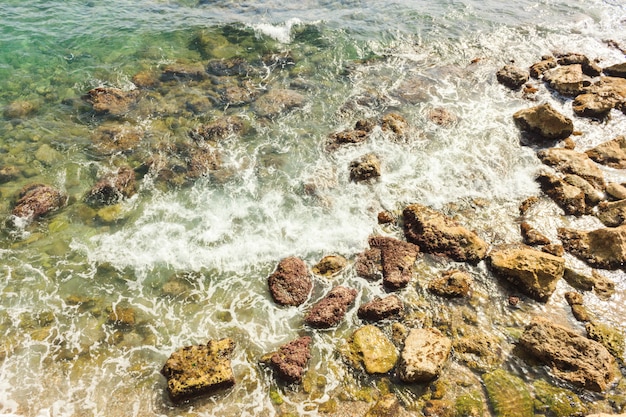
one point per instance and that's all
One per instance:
(215, 240)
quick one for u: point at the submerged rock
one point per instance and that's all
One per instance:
(441, 117)
(397, 258)
(290, 284)
(330, 310)
(360, 133)
(277, 101)
(387, 406)
(218, 129)
(113, 138)
(109, 100)
(423, 356)
(560, 349)
(512, 76)
(508, 394)
(533, 272)
(556, 401)
(193, 371)
(438, 234)
(545, 122)
(381, 308)
(291, 359)
(330, 265)
(453, 283)
(184, 72)
(601, 248)
(365, 168)
(19, 109)
(571, 162)
(611, 153)
(373, 350)
(113, 187)
(37, 200)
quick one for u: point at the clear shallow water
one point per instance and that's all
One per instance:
(61, 276)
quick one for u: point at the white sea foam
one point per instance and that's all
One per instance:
(281, 32)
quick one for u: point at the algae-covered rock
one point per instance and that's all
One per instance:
(553, 401)
(387, 406)
(451, 284)
(200, 369)
(469, 405)
(508, 395)
(330, 265)
(610, 337)
(371, 348)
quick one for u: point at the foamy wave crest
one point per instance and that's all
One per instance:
(280, 32)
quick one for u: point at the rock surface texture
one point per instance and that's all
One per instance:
(424, 354)
(600, 248)
(373, 350)
(545, 122)
(36, 200)
(290, 284)
(397, 258)
(290, 361)
(381, 308)
(330, 310)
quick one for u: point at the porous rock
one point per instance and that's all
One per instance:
(397, 258)
(373, 350)
(218, 129)
(539, 68)
(277, 101)
(381, 308)
(600, 248)
(360, 133)
(331, 309)
(200, 369)
(113, 187)
(567, 80)
(110, 100)
(36, 200)
(560, 348)
(424, 355)
(612, 213)
(531, 236)
(611, 153)
(290, 361)
(544, 121)
(330, 265)
(365, 168)
(603, 286)
(533, 272)
(387, 406)
(570, 198)
(512, 76)
(290, 284)
(569, 161)
(452, 284)
(438, 234)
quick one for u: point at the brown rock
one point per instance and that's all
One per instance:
(277, 101)
(385, 217)
(113, 187)
(123, 317)
(291, 359)
(441, 117)
(589, 67)
(527, 204)
(184, 72)
(423, 356)
(512, 76)
(365, 168)
(330, 310)
(570, 198)
(330, 265)
(612, 213)
(553, 249)
(575, 301)
(615, 190)
(109, 100)
(617, 70)
(593, 196)
(600, 248)
(290, 284)
(435, 233)
(397, 259)
(113, 138)
(560, 348)
(368, 264)
(198, 370)
(544, 121)
(602, 285)
(381, 308)
(19, 109)
(531, 236)
(537, 69)
(394, 123)
(571, 162)
(228, 67)
(359, 134)
(567, 80)
(145, 79)
(533, 272)
(452, 284)
(36, 200)
(220, 128)
(593, 105)
(387, 406)
(611, 153)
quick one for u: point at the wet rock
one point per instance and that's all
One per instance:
(611, 153)
(330, 310)
(603, 286)
(452, 284)
(533, 272)
(531, 236)
(113, 138)
(122, 317)
(423, 356)
(438, 234)
(559, 348)
(567, 80)
(589, 67)
(617, 70)
(414, 90)
(290, 361)
(387, 406)
(593, 105)
(478, 351)
(36, 200)
(508, 394)
(218, 129)
(571, 162)
(397, 258)
(544, 121)
(610, 337)
(330, 265)
(109, 100)
(612, 213)
(385, 217)
(238, 94)
(557, 401)
(570, 198)
(193, 371)
(575, 301)
(19, 109)
(593, 196)
(381, 308)
(277, 101)
(539, 68)
(394, 123)
(527, 204)
(184, 72)
(368, 264)
(512, 76)
(365, 168)
(290, 284)
(359, 134)
(601, 248)
(613, 189)
(228, 67)
(438, 408)
(441, 117)
(609, 91)
(370, 348)
(553, 249)
(113, 187)
(145, 79)
(200, 161)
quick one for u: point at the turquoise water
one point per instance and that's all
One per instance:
(190, 257)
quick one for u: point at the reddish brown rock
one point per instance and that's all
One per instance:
(36, 200)
(381, 308)
(394, 123)
(330, 310)
(290, 361)
(109, 100)
(397, 258)
(385, 217)
(600, 248)
(113, 187)
(290, 284)
(368, 264)
(531, 236)
(452, 284)
(545, 122)
(218, 129)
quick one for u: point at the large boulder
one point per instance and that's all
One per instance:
(611, 153)
(533, 272)
(330, 310)
(113, 187)
(381, 308)
(290, 361)
(572, 357)
(36, 200)
(373, 350)
(397, 258)
(569, 161)
(612, 213)
(438, 234)
(198, 370)
(567, 80)
(512, 76)
(423, 356)
(109, 100)
(290, 284)
(600, 248)
(545, 122)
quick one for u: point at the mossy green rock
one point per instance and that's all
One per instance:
(373, 350)
(556, 402)
(387, 406)
(469, 405)
(611, 338)
(508, 395)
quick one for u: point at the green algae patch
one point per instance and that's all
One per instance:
(369, 347)
(611, 338)
(469, 405)
(556, 402)
(508, 395)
